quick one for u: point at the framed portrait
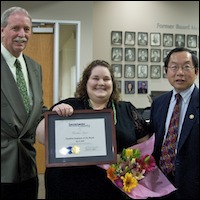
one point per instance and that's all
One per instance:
(142, 38)
(142, 87)
(168, 39)
(165, 53)
(119, 85)
(155, 39)
(155, 71)
(116, 37)
(164, 73)
(117, 70)
(129, 87)
(179, 40)
(129, 71)
(142, 55)
(129, 38)
(191, 41)
(70, 140)
(142, 71)
(129, 54)
(155, 55)
(116, 54)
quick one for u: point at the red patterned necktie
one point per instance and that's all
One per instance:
(168, 148)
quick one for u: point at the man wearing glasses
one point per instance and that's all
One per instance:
(181, 67)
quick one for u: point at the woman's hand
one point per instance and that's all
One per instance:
(63, 109)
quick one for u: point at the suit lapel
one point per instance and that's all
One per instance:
(10, 90)
(190, 118)
(33, 79)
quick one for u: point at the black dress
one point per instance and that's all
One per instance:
(90, 182)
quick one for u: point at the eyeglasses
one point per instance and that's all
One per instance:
(185, 68)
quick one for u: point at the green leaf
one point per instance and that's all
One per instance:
(146, 160)
(136, 153)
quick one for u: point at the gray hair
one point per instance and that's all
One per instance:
(6, 14)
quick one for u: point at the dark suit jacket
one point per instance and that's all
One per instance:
(187, 159)
(17, 128)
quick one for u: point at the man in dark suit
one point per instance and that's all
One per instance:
(19, 179)
(181, 66)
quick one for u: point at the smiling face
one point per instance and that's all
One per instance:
(16, 34)
(99, 85)
(181, 79)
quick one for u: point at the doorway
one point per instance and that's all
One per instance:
(56, 46)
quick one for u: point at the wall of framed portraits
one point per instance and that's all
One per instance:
(135, 63)
(135, 37)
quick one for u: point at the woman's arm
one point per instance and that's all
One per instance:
(146, 137)
(62, 110)
(40, 131)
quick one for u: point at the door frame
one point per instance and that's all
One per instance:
(57, 24)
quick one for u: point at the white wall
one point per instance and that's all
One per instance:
(141, 16)
(99, 18)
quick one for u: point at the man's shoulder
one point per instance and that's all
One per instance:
(28, 58)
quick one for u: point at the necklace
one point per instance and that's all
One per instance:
(114, 111)
(113, 107)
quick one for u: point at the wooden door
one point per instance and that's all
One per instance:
(40, 48)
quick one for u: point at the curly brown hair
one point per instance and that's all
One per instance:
(81, 91)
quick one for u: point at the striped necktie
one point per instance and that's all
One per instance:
(168, 148)
(22, 85)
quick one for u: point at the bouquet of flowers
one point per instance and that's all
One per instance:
(136, 173)
(130, 168)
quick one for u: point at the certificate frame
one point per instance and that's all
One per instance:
(53, 123)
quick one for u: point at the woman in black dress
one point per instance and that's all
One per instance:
(97, 90)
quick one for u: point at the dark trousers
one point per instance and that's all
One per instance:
(24, 190)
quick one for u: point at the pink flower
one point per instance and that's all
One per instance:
(147, 162)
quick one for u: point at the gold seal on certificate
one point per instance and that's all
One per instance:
(76, 149)
(70, 150)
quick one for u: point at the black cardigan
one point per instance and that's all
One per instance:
(90, 182)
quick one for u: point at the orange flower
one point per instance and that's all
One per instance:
(111, 173)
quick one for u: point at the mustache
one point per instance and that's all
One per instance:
(20, 40)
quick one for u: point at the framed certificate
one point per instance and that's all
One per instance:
(85, 138)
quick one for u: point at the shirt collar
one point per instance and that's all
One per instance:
(186, 94)
(9, 58)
